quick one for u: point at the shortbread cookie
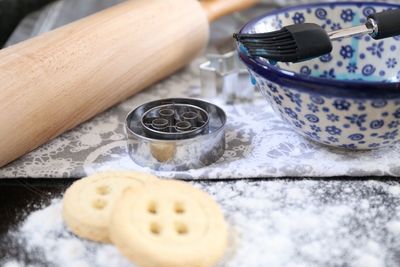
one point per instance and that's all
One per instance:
(168, 224)
(89, 201)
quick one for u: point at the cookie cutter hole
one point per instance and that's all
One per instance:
(190, 115)
(183, 126)
(152, 208)
(103, 190)
(160, 123)
(99, 204)
(166, 112)
(155, 228)
(181, 228)
(179, 208)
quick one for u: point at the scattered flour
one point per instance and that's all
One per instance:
(275, 223)
(394, 227)
(12, 264)
(368, 261)
(395, 190)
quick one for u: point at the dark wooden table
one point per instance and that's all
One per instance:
(19, 197)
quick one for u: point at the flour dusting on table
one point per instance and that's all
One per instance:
(275, 223)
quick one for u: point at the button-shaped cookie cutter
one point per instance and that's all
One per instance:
(225, 76)
(176, 134)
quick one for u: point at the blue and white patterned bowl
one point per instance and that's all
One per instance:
(349, 98)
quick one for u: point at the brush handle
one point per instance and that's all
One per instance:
(218, 8)
(388, 23)
(52, 83)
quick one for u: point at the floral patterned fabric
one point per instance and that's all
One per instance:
(258, 142)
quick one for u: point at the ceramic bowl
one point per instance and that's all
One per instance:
(349, 98)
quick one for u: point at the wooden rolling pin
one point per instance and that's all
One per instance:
(52, 83)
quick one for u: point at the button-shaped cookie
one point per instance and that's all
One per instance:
(169, 224)
(89, 201)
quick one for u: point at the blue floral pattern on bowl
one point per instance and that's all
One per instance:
(342, 122)
(349, 98)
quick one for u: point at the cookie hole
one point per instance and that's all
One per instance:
(155, 228)
(181, 228)
(179, 208)
(99, 204)
(103, 190)
(152, 208)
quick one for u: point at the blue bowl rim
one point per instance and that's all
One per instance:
(331, 87)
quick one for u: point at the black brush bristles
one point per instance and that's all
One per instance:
(289, 44)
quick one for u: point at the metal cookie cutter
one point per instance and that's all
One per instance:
(176, 134)
(225, 76)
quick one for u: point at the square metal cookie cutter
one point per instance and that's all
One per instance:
(224, 76)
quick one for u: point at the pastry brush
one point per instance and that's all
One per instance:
(305, 41)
